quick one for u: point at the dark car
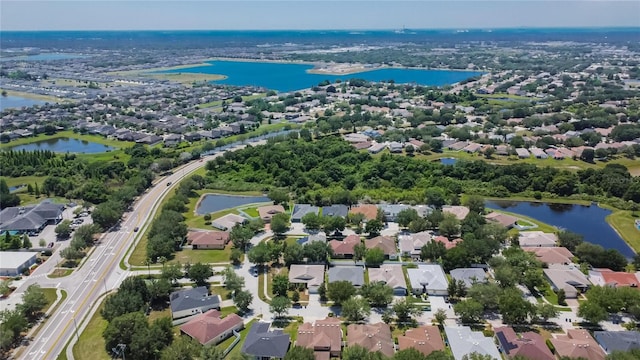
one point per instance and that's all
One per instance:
(50, 245)
(136, 229)
(169, 183)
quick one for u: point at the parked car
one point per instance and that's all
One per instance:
(50, 245)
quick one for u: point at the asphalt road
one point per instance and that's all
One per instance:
(101, 272)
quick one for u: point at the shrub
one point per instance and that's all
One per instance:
(207, 217)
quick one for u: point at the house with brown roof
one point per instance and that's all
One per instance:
(448, 244)
(392, 275)
(208, 239)
(537, 239)
(425, 339)
(324, 337)
(607, 277)
(505, 220)
(211, 328)
(369, 211)
(460, 212)
(386, 243)
(578, 343)
(344, 248)
(411, 245)
(310, 275)
(267, 212)
(551, 255)
(374, 337)
(529, 345)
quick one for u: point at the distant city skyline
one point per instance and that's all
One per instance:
(314, 14)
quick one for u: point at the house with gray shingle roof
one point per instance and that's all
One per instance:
(30, 219)
(463, 342)
(352, 274)
(264, 343)
(469, 275)
(618, 340)
(428, 279)
(335, 210)
(189, 302)
(300, 210)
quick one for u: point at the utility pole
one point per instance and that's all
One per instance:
(76, 326)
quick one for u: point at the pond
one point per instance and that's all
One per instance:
(448, 161)
(211, 203)
(287, 77)
(17, 102)
(589, 221)
(63, 145)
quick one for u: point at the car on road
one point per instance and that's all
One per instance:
(136, 229)
(169, 183)
(50, 245)
(253, 271)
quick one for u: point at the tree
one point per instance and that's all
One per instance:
(33, 300)
(293, 254)
(355, 309)
(374, 257)
(280, 285)
(280, 224)
(334, 223)
(545, 312)
(406, 216)
(409, 354)
(377, 293)
(280, 306)
(359, 251)
(299, 353)
(373, 227)
(339, 291)
(63, 229)
(13, 323)
(357, 352)
(123, 329)
(211, 352)
(159, 289)
(440, 316)
(587, 155)
(570, 240)
(199, 273)
(232, 281)
(26, 243)
(435, 197)
(172, 272)
(487, 294)
(295, 297)
(405, 311)
(317, 251)
(5, 287)
(449, 226)
(184, 348)
(312, 221)
(475, 204)
(513, 307)
(592, 312)
(259, 254)
(235, 256)
(240, 236)
(242, 299)
(107, 214)
(278, 196)
(561, 297)
(469, 311)
(432, 251)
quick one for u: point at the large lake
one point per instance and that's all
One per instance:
(43, 57)
(63, 145)
(286, 77)
(589, 221)
(16, 102)
(211, 203)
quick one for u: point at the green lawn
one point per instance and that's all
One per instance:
(203, 256)
(252, 211)
(91, 344)
(243, 335)
(623, 223)
(60, 272)
(50, 295)
(292, 328)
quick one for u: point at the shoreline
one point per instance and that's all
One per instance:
(31, 96)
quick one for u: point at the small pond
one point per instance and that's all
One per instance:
(63, 145)
(589, 221)
(448, 161)
(16, 188)
(211, 203)
(17, 102)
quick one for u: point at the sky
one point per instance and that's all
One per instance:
(314, 14)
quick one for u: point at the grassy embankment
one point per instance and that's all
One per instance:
(28, 95)
(186, 78)
(219, 102)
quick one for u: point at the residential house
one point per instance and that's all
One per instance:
(551, 255)
(373, 337)
(612, 341)
(267, 212)
(193, 136)
(523, 153)
(425, 339)
(537, 239)
(464, 342)
(352, 274)
(472, 148)
(607, 277)
(428, 279)
(207, 239)
(319, 236)
(392, 275)
(385, 243)
(448, 244)
(391, 211)
(538, 153)
(211, 328)
(528, 345)
(263, 343)
(310, 275)
(377, 147)
(172, 139)
(335, 210)
(227, 222)
(30, 219)
(369, 211)
(460, 212)
(345, 248)
(457, 146)
(189, 302)
(411, 245)
(505, 220)
(324, 337)
(578, 343)
(300, 210)
(502, 150)
(568, 278)
(469, 276)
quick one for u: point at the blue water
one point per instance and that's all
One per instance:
(589, 221)
(448, 161)
(214, 202)
(42, 57)
(16, 188)
(63, 145)
(291, 77)
(16, 102)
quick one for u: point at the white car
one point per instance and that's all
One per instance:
(253, 271)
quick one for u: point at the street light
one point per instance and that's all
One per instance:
(76, 325)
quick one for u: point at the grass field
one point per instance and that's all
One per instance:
(60, 272)
(252, 211)
(91, 344)
(236, 350)
(202, 256)
(219, 102)
(623, 223)
(28, 95)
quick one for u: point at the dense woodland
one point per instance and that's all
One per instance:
(331, 171)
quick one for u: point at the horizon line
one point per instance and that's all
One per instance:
(349, 29)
